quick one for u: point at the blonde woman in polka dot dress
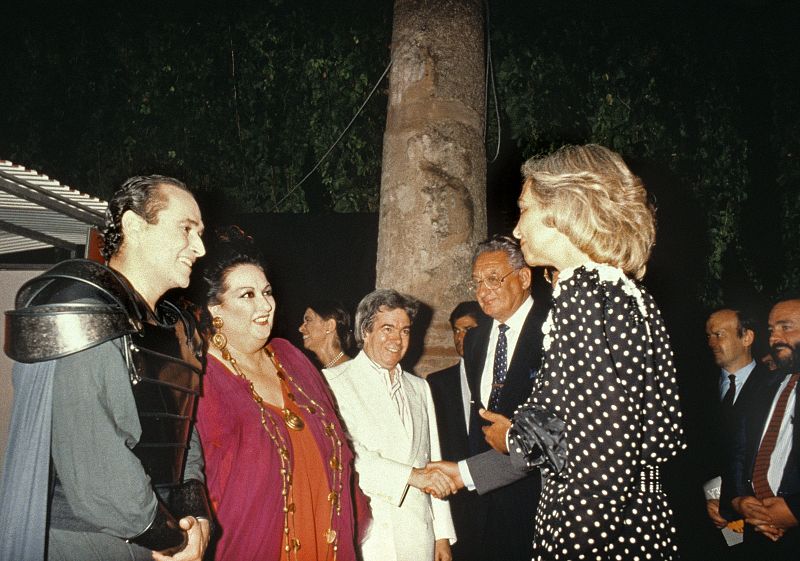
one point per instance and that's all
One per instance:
(608, 380)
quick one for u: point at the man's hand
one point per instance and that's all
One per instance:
(442, 551)
(198, 532)
(496, 432)
(450, 469)
(750, 507)
(777, 520)
(779, 513)
(712, 508)
(432, 481)
(770, 517)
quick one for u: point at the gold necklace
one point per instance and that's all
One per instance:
(331, 536)
(292, 420)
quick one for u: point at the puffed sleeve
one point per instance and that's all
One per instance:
(608, 375)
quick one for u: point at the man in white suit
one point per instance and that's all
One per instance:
(390, 418)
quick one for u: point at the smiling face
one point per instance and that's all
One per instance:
(167, 249)
(387, 342)
(315, 330)
(784, 335)
(500, 303)
(246, 307)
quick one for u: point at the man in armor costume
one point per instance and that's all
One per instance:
(103, 462)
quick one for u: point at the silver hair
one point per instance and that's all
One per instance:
(383, 299)
(507, 245)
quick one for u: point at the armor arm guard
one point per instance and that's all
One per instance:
(191, 499)
(163, 534)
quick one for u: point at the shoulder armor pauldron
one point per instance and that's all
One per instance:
(76, 305)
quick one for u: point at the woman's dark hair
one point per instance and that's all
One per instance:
(142, 195)
(332, 309)
(226, 248)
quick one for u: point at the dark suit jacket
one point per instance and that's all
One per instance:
(446, 391)
(752, 421)
(505, 515)
(747, 441)
(722, 421)
(522, 369)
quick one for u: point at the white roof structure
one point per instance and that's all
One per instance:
(38, 212)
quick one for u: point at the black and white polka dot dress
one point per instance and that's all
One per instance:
(608, 373)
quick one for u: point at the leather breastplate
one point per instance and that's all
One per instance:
(166, 374)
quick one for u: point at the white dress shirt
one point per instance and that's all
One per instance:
(515, 324)
(741, 377)
(783, 446)
(390, 379)
(465, 395)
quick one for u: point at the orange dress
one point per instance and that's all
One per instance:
(308, 492)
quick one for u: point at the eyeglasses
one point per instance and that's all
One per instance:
(491, 283)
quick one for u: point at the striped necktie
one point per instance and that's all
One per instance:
(761, 467)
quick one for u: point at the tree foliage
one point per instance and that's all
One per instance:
(679, 86)
(242, 101)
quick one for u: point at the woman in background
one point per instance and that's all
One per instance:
(278, 467)
(327, 332)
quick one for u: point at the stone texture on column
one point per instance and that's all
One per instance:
(433, 184)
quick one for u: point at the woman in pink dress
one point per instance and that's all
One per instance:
(277, 462)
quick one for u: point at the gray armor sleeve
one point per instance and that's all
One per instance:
(95, 426)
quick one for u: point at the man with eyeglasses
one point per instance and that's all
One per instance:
(501, 358)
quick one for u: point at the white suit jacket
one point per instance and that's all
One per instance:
(406, 521)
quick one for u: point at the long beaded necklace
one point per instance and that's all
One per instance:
(294, 422)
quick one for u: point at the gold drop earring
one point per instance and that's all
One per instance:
(218, 339)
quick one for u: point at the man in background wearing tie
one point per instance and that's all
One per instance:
(730, 334)
(765, 479)
(501, 358)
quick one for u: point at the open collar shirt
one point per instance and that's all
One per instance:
(393, 380)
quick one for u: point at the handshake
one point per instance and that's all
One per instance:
(439, 479)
